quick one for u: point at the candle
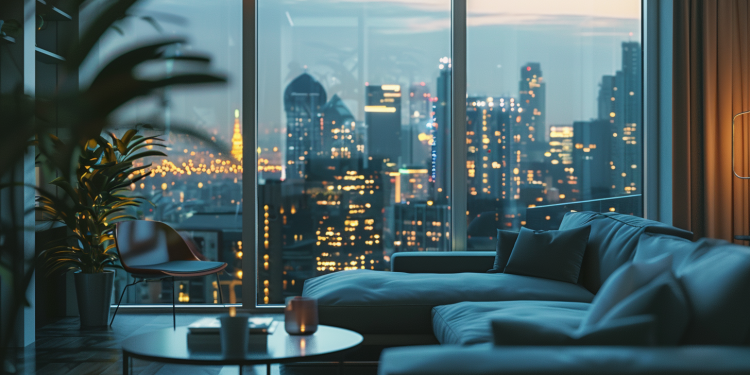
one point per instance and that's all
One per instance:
(234, 334)
(301, 316)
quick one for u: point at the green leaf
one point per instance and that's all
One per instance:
(78, 52)
(145, 154)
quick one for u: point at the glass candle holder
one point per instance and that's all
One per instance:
(301, 316)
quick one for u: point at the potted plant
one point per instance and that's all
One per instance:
(90, 207)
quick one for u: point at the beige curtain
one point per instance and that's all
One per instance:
(711, 83)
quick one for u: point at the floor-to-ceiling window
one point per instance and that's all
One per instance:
(553, 112)
(354, 127)
(353, 137)
(195, 189)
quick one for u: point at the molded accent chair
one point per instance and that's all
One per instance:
(152, 250)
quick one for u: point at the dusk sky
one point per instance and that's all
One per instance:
(345, 43)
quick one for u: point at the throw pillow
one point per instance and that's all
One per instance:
(640, 304)
(554, 254)
(716, 279)
(637, 289)
(505, 242)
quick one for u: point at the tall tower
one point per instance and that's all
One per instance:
(237, 137)
(532, 97)
(383, 119)
(632, 129)
(560, 174)
(335, 146)
(620, 105)
(417, 151)
(441, 145)
(303, 99)
(591, 158)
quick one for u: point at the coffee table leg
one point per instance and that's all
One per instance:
(268, 369)
(125, 366)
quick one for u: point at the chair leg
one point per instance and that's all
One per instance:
(174, 317)
(120, 300)
(218, 285)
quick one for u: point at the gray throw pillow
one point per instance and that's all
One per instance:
(505, 242)
(554, 254)
(716, 279)
(637, 289)
(641, 304)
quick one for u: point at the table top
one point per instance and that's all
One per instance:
(168, 345)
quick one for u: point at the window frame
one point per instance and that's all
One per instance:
(655, 21)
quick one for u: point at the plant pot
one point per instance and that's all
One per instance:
(94, 293)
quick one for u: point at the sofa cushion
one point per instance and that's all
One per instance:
(640, 304)
(629, 331)
(716, 280)
(612, 242)
(641, 288)
(468, 323)
(369, 301)
(573, 360)
(554, 254)
(506, 240)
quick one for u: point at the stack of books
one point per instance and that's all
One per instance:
(204, 335)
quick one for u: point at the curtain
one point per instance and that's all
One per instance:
(711, 83)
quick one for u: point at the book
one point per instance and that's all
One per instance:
(257, 325)
(211, 341)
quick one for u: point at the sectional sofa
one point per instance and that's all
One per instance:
(450, 299)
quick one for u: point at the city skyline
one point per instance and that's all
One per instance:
(354, 131)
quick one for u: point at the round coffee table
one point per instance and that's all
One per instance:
(170, 346)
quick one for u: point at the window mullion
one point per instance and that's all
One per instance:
(458, 193)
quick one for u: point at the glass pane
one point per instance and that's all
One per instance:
(554, 118)
(352, 136)
(195, 189)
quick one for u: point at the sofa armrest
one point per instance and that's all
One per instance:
(443, 262)
(486, 360)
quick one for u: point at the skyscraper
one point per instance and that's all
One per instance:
(383, 119)
(488, 155)
(420, 117)
(303, 99)
(336, 141)
(592, 146)
(532, 97)
(441, 145)
(560, 174)
(620, 104)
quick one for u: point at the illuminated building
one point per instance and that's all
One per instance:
(412, 184)
(488, 120)
(422, 226)
(237, 137)
(383, 119)
(560, 178)
(440, 152)
(348, 222)
(337, 142)
(592, 146)
(532, 97)
(303, 99)
(620, 104)
(488, 146)
(417, 139)
(285, 243)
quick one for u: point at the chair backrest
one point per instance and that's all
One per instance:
(142, 243)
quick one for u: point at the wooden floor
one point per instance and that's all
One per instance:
(64, 348)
